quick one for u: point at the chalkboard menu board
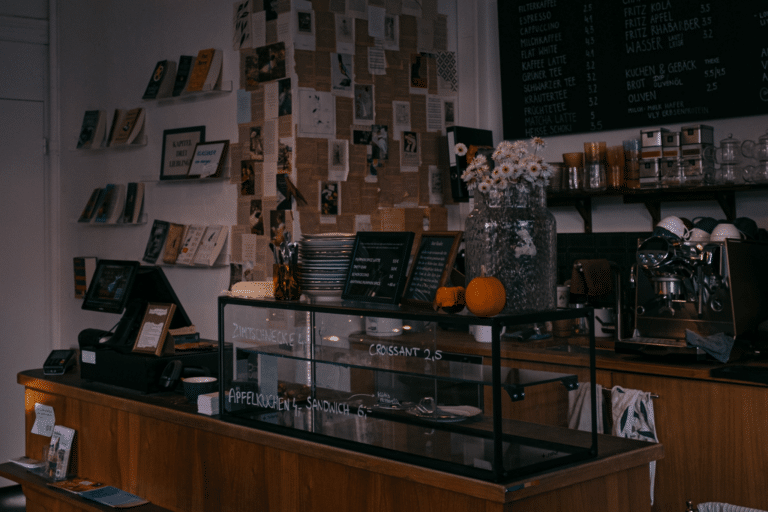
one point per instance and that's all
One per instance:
(572, 66)
(378, 268)
(432, 265)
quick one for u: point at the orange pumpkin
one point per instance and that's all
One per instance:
(450, 298)
(485, 295)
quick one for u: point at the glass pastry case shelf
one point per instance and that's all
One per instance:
(414, 390)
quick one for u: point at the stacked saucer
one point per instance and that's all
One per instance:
(323, 263)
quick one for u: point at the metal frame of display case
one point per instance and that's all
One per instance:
(513, 382)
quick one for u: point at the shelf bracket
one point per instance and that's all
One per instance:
(584, 207)
(654, 208)
(516, 393)
(727, 201)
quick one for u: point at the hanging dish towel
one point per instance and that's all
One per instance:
(633, 418)
(724, 507)
(579, 410)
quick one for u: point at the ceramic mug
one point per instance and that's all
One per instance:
(725, 230)
(698, 235)
(483, 333)
(674, 225)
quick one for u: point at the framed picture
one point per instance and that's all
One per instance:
(378, 268)
(208, 159)
(153, 333)
(178, 146)
(432, 266)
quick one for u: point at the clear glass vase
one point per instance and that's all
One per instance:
(513, 235)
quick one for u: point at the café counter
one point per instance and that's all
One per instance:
(158, 447)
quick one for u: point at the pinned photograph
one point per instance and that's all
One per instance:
(256, 217)
(418, 72)
(329, 198)
(247, 177)
(256, 144)
(284, 99)
(338, 160)
(410, 154)
(363, 104)
(304, 22)
(380, 143)
(341, 72)
(271, 62)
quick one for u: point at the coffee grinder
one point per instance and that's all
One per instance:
(705, 287)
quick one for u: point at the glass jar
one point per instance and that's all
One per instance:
(513, 235)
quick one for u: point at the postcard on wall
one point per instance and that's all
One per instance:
(410, 152)
(285, 156)
(380, 144)
(376, 22)
(256, 217)
(330, 197)
(419, 74)
(363, 113)
(345, 34)
(317, 114)
(284, 98)
(377, 60)
(241, 35)
(304, 30)
(283, 196)
(449, 112)
(270, 62)
(342, 75)
(338, 160)
(357, 9)
(434, 113)
(255, 146)
(258, 28)
(447, 74)
(435, 185)
(392, 32)
(401, 118)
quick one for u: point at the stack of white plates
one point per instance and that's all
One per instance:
(323, 263)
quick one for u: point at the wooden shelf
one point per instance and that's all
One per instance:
(725, 195)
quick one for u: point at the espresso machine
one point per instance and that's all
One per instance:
(705, 287)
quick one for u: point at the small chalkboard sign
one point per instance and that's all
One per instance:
(378, 268)
(432, 266)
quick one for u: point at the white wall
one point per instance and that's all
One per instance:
(479, 69)
(107, 51)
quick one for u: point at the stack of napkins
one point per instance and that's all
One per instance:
(208, 403)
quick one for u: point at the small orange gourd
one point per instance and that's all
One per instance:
(485, 295)
(450, 298)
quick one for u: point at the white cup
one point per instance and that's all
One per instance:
(379, 326)
(698, 235)
(563, 296)
(725, 230)
(674, 225)
(605, 323)
(483, 333)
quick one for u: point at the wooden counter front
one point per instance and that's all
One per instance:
(158, 447)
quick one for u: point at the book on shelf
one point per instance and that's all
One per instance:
(90, 206)
(59, 450)
(110, 211)
(206, 72)
(182, 74)
(134, 202)
(92, 130)
(102, 208)
(173, 243)
(156, 241)
(99, 492)
(84, 269)
(127, 127)
(211, 244)
(192, 239)
(161, 82)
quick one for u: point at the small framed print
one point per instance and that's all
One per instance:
(153, 333)
(178, 146)
(208, 159)
(378, 268)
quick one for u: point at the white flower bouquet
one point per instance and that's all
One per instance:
(511, 163)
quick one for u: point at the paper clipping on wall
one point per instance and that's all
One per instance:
(317, 113)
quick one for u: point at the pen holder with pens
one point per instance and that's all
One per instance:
(286, 282)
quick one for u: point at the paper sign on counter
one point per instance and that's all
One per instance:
(45, 418)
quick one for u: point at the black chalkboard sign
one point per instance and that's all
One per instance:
(378, 268)
(582, 66)
(432, 266)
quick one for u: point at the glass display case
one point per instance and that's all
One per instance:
(400, 382)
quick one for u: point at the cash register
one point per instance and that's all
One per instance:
(126, 287)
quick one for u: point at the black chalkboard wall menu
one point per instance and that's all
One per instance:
(579, 66)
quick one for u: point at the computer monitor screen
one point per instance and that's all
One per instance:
(118, 283)
(111, 285)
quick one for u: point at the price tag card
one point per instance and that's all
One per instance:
(378, 268)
